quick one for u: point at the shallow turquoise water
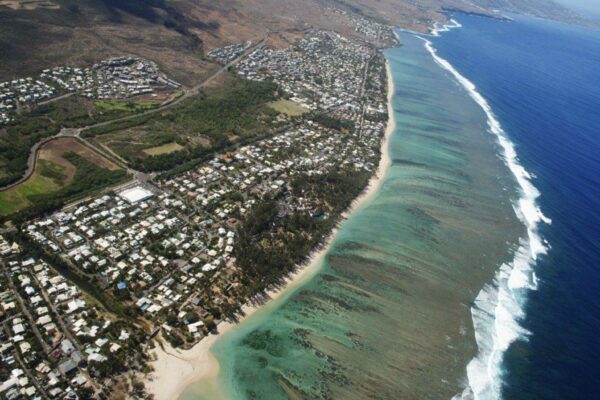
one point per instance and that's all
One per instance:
(388, 314)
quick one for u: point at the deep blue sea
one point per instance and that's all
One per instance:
(542, 81)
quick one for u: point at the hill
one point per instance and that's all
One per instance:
(41, 34)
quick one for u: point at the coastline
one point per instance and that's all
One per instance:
(175, 370)
(499, 307)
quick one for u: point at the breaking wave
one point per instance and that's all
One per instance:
(499, 306)
(440, 28)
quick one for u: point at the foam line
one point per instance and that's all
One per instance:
(435, 30)
(440, 28)
(499, 306)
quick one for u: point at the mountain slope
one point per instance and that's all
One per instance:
(175, 33)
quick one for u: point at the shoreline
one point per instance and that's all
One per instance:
(493, 339)
(175, 370)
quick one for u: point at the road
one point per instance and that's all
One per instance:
(187, 93)
(363, 110)
(33, 153)
(65, 330)
(32, 378)
(52, 100)
(26, 312)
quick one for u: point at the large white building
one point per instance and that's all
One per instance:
(135, 194)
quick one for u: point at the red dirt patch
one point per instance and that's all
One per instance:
(55, 149)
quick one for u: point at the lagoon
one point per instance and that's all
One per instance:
(388, 313)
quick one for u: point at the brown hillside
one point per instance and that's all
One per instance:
(175, 33)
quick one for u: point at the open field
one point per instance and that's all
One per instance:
(56, 171)
(235, 110)
(55, 150)
(16, 199)
(131, 106)
(46, 120)
(288, 107)
(136, 142)
(164, 149)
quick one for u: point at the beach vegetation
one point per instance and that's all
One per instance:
(270, 245)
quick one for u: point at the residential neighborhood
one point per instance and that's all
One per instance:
(225, 55)
(371, 29)
(93, 281)
(323, 70)
(115, 78)
(299, 199)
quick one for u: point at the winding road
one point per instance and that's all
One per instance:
(76, 132)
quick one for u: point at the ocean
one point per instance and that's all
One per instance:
(542, 80)
(471, 272)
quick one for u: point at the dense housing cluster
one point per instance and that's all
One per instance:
(115, 78)
(16, 93)
(54, 343)
(373, 30)
(323, 70)
(183, 252)
(172, 246)
(226, 54)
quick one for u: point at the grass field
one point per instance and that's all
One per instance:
(16, 199)
(232, 111)
(55, 149)
(138, 142)
(288, 107)
(46, 120)
(164, 149)
(132, 106)
(53, 172)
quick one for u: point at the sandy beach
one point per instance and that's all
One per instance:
(175, 370)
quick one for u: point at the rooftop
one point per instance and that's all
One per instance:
(135, 194)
